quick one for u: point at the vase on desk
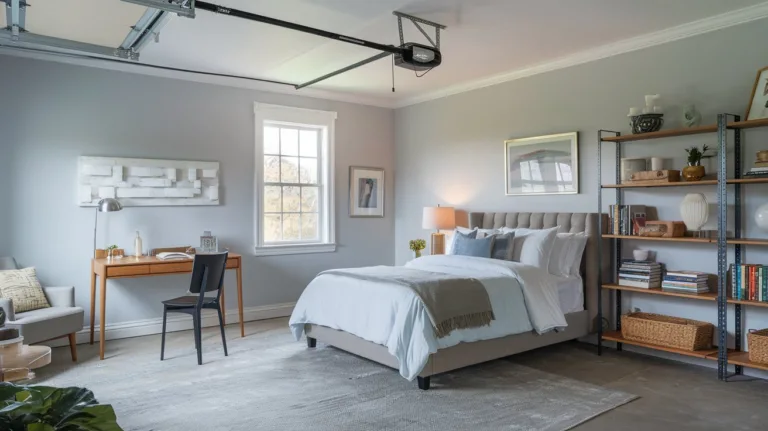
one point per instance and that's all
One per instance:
(416, 254)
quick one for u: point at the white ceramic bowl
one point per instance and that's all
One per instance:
(640, 254)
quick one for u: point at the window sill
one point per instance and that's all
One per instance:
(279, 250)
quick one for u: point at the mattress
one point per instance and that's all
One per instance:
(570, 291)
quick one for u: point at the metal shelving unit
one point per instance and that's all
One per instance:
(721, 353)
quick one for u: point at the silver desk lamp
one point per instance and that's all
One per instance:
(107, 205)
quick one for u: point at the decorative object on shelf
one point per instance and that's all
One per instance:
(646, 123)
(675, 332)
(112, 252)
(102, 253)
(761, 216)
(416, 246)
(694, 171)
(761, 165)
(631, 166)
(366, 192)
(657, 164)
(106, 205)
(209, 243)
(138, 246)
(640, 254)
(655, 177)
(542, 165)
(691, 116)
(663, 229)
(694, 209)
(438, 218)
(758, 104)
(762, 156)
(757, 343)
(652, 103)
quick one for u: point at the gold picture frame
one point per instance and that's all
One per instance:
(542, 165)
(758, 103)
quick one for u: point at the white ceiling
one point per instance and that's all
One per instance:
(484, 38)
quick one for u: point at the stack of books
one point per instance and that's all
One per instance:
(749, 282)
(627, 219)
(760, 169)
(685, 282)
(640, 273)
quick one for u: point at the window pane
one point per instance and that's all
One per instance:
(272, 227)
(308, 170)
(271, 169)
(291, 227)
(309, 228)
(308, 143)
(309, 199)
(289, 167)
(271, 140)
(289, 142)
(272, 201)
(291, 199)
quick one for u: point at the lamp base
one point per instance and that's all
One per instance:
(438, 243)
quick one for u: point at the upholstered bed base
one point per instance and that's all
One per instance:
(462, 355)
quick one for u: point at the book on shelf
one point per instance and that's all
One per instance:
(749, 282)
(643, 284)
(627, 219)
(686, 291)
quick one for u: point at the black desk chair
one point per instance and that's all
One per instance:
(207, 276)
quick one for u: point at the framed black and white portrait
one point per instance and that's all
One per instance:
(758, 104)
(542, 165)
(366, 192)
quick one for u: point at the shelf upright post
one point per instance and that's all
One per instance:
(601, 230)
(722, 250)
(617, 242)
(737, 232)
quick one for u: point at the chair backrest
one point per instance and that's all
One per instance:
(7, 263)
(208, 273)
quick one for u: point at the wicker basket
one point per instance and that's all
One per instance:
(685, 334)
(757, 342)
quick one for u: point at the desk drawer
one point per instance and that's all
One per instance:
(170, 268)
(125, 271)
(233, 263)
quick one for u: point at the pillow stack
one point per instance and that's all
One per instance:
(488, 243)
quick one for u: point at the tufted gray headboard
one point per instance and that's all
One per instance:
(570, 223)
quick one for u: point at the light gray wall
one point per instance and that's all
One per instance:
(62, 111)
(450, 151)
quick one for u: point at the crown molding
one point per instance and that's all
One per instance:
(204, 79)
(693, 28)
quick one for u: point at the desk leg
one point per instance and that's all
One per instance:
(93, 301)
(102, 315)
(239, 273)
(223, 306)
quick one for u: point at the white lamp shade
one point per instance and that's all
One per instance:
(438, 218)
(695, 211)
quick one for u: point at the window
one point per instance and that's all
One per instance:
(294, 162)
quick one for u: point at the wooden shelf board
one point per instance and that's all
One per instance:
(748, 180)
(654, 238)
(711, 128)
(742, 358)
(630, 185)
(710, 296)
(704, 354)
(748, 241)
(745, 302)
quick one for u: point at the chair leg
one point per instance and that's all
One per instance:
(162, 340)
(223, 337)
(73, 346)
(198, 336)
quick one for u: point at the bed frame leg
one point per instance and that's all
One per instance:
(311, 342)
(423, 383)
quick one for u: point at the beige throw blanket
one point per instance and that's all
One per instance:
(451, 302)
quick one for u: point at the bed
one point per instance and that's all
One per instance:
(577, 297)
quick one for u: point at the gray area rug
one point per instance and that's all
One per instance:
(271, 382)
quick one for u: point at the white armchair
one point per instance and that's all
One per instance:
(62, 319)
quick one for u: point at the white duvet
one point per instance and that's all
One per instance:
(523, 298)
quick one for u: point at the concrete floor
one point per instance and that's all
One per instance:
(674, 396)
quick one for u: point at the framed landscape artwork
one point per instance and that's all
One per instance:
(758, 105)
(366, 192)
(542, 165)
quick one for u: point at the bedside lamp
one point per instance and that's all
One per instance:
(438, 218)
(106, 205)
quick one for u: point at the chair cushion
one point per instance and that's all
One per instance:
(22, 287)
(48, 323)
(187, 301)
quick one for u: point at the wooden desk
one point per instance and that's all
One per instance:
(145, 266)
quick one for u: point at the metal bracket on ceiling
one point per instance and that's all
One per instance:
(185, 8)
(146, 29)
(15, 16)
(64, 44)
(416, 22)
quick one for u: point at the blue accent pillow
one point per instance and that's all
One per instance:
(502, 246)
(457, 235)
(464, 246)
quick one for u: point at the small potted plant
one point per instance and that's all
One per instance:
(110, 251)
(416, 246)
(694, 171)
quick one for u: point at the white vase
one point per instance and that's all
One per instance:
(694, 209)
(761, 217)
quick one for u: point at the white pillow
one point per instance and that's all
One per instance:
(481, 233)
(533, 246)
(568, 248)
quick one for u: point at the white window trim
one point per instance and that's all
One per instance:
(297, 116)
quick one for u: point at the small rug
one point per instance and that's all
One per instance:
(271, 382)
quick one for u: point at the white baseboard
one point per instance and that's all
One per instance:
(177, 322)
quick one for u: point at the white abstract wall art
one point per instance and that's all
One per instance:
(147, 182)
